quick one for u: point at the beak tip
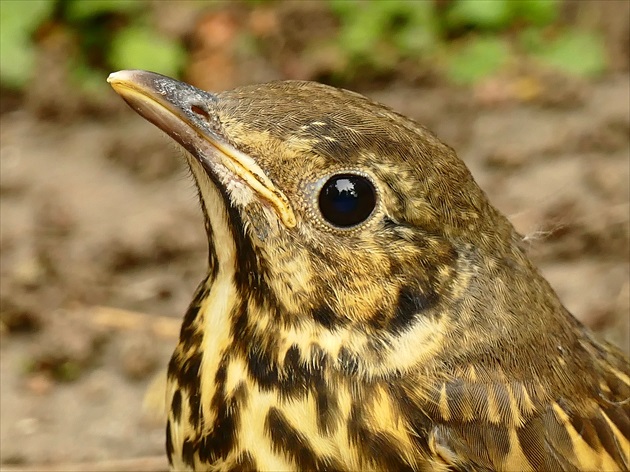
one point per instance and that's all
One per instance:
(123, 76)
(115, 76)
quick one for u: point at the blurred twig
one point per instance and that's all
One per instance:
(116, 318)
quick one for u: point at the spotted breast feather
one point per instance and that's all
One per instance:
(365, 307)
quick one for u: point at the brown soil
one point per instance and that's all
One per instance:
(101, 215)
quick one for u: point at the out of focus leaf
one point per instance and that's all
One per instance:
(479, 58)
(536, 12)
(422, 31)
(380, 33)
(532, 40)
(142, 48)
(18, 20)
(79, 10)
(345, 7)
(90, 80)
(363, 30)
(484, 14)
(575, 52)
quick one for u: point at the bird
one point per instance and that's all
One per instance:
(365, 306)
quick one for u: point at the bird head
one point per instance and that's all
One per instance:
(343, 225)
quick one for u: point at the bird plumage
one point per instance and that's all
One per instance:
(419, 338)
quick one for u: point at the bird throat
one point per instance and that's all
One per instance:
(230, 367)
(197, 392)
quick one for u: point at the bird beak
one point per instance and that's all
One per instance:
(187, 114)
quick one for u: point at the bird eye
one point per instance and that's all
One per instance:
(346, 200)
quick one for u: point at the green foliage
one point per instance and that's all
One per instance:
(482, 14)
(138, 47)
(109, 34)
(478, 58)
(482, 29)
(466, 40)
(396, 27)
(574, 52)
(536, 12)
(495, 15)
(18, 21)
(129, 42)
(82, 10)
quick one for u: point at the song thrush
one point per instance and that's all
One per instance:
(365, 307)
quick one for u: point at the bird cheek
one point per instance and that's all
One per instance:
(262, 223)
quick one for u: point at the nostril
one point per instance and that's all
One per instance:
(197, 110)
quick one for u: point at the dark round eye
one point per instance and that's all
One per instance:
(346, 200)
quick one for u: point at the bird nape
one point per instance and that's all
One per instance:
(365, 307)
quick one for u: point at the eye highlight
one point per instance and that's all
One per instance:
(346, 200)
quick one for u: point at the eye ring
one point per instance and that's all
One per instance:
(347, 199)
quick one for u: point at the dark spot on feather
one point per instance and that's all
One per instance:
(169, 443)
(173, 367)
(176, 406)
(411, 303)
(295, 378)
(194, 405)
(285, 439)
(328, 415)
(192, 340)
(245, 462)
(261, 364)
(241, 394)
(348, 361)
(241, 329)
(375, 447)
(324, 315)
(261, 367)
(355, 421)
(188, 453)
(187, 377)
(190, 335)
(213, 262)
(292, 359)
(222, 438)
(251, 270)
(291, 381)
(221, 374)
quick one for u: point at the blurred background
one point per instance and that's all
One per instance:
(101, 238)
